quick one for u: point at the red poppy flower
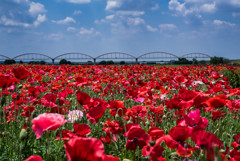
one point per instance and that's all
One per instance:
(235, 155)
(81, 129)
(216, 115)
(81, 148)
(66, 135)
(215, 102)
(180, 79)
(136, 136)
(83, 98)
(45, 122)
(187, 95)
(175, 139)
(110, 158)
(155, 132)
(21, 72)
(139, 111)
(236, 144)
(153, 149)
(6, 80)
(206, 140)
(49, 100)
(193, 120)
(95, 113)
(154, 152)
(117, 108)
(34, 158)
(112, 126)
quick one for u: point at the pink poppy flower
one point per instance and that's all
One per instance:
(34, 158)
(43, 122)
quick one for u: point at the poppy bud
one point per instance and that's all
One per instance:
(34, 114)
(23, 134)
(152, 143)
(3, 101)
(57, 101)
(20, 86)
(129, 121)
(126, 160)
(117, 116)
(147, 123)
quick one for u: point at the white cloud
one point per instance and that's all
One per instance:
(36, 8)
(77, 12)
(105, 20)
(9, 22)
(151, 29)
(110, 17)
(112, 4)
(167, 27)
(156, 7)
(40, 19)
(130, 13)
(209, 7)
(236, 14)
(85, 31)
(22, 13)
(55, 36)
(220, 23)
(176, 6)
(135, 21)
(65, 21)
(131, 5)
(71, 29)
(235, 2)
(192, 7)
(78, 1)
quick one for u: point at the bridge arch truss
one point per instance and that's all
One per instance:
(75, 57)
(32, 57)
(3, 57)
(116, 56)
(158, 56)
(196, 56)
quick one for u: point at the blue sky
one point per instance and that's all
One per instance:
(94, 27)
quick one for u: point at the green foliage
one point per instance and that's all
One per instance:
(122, 62)
(218, 60)
(195, 61)
(183, 61)
(106, 62)
(37, 62)
(233, 77)
(64, 61)
(9, 61)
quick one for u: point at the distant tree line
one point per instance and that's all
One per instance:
(181, 61)
(214, 60)
(184, 61)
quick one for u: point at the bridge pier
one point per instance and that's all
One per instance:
(94, 61)
(53, 61)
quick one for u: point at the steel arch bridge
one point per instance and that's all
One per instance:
(196, 55)
(3, 57)
(73, 56)
(32, 56)
(158, 55)
(115, 55)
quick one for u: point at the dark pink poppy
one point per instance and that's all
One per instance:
(43, 122)
(81, 148)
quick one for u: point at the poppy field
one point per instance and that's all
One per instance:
(111, 113)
